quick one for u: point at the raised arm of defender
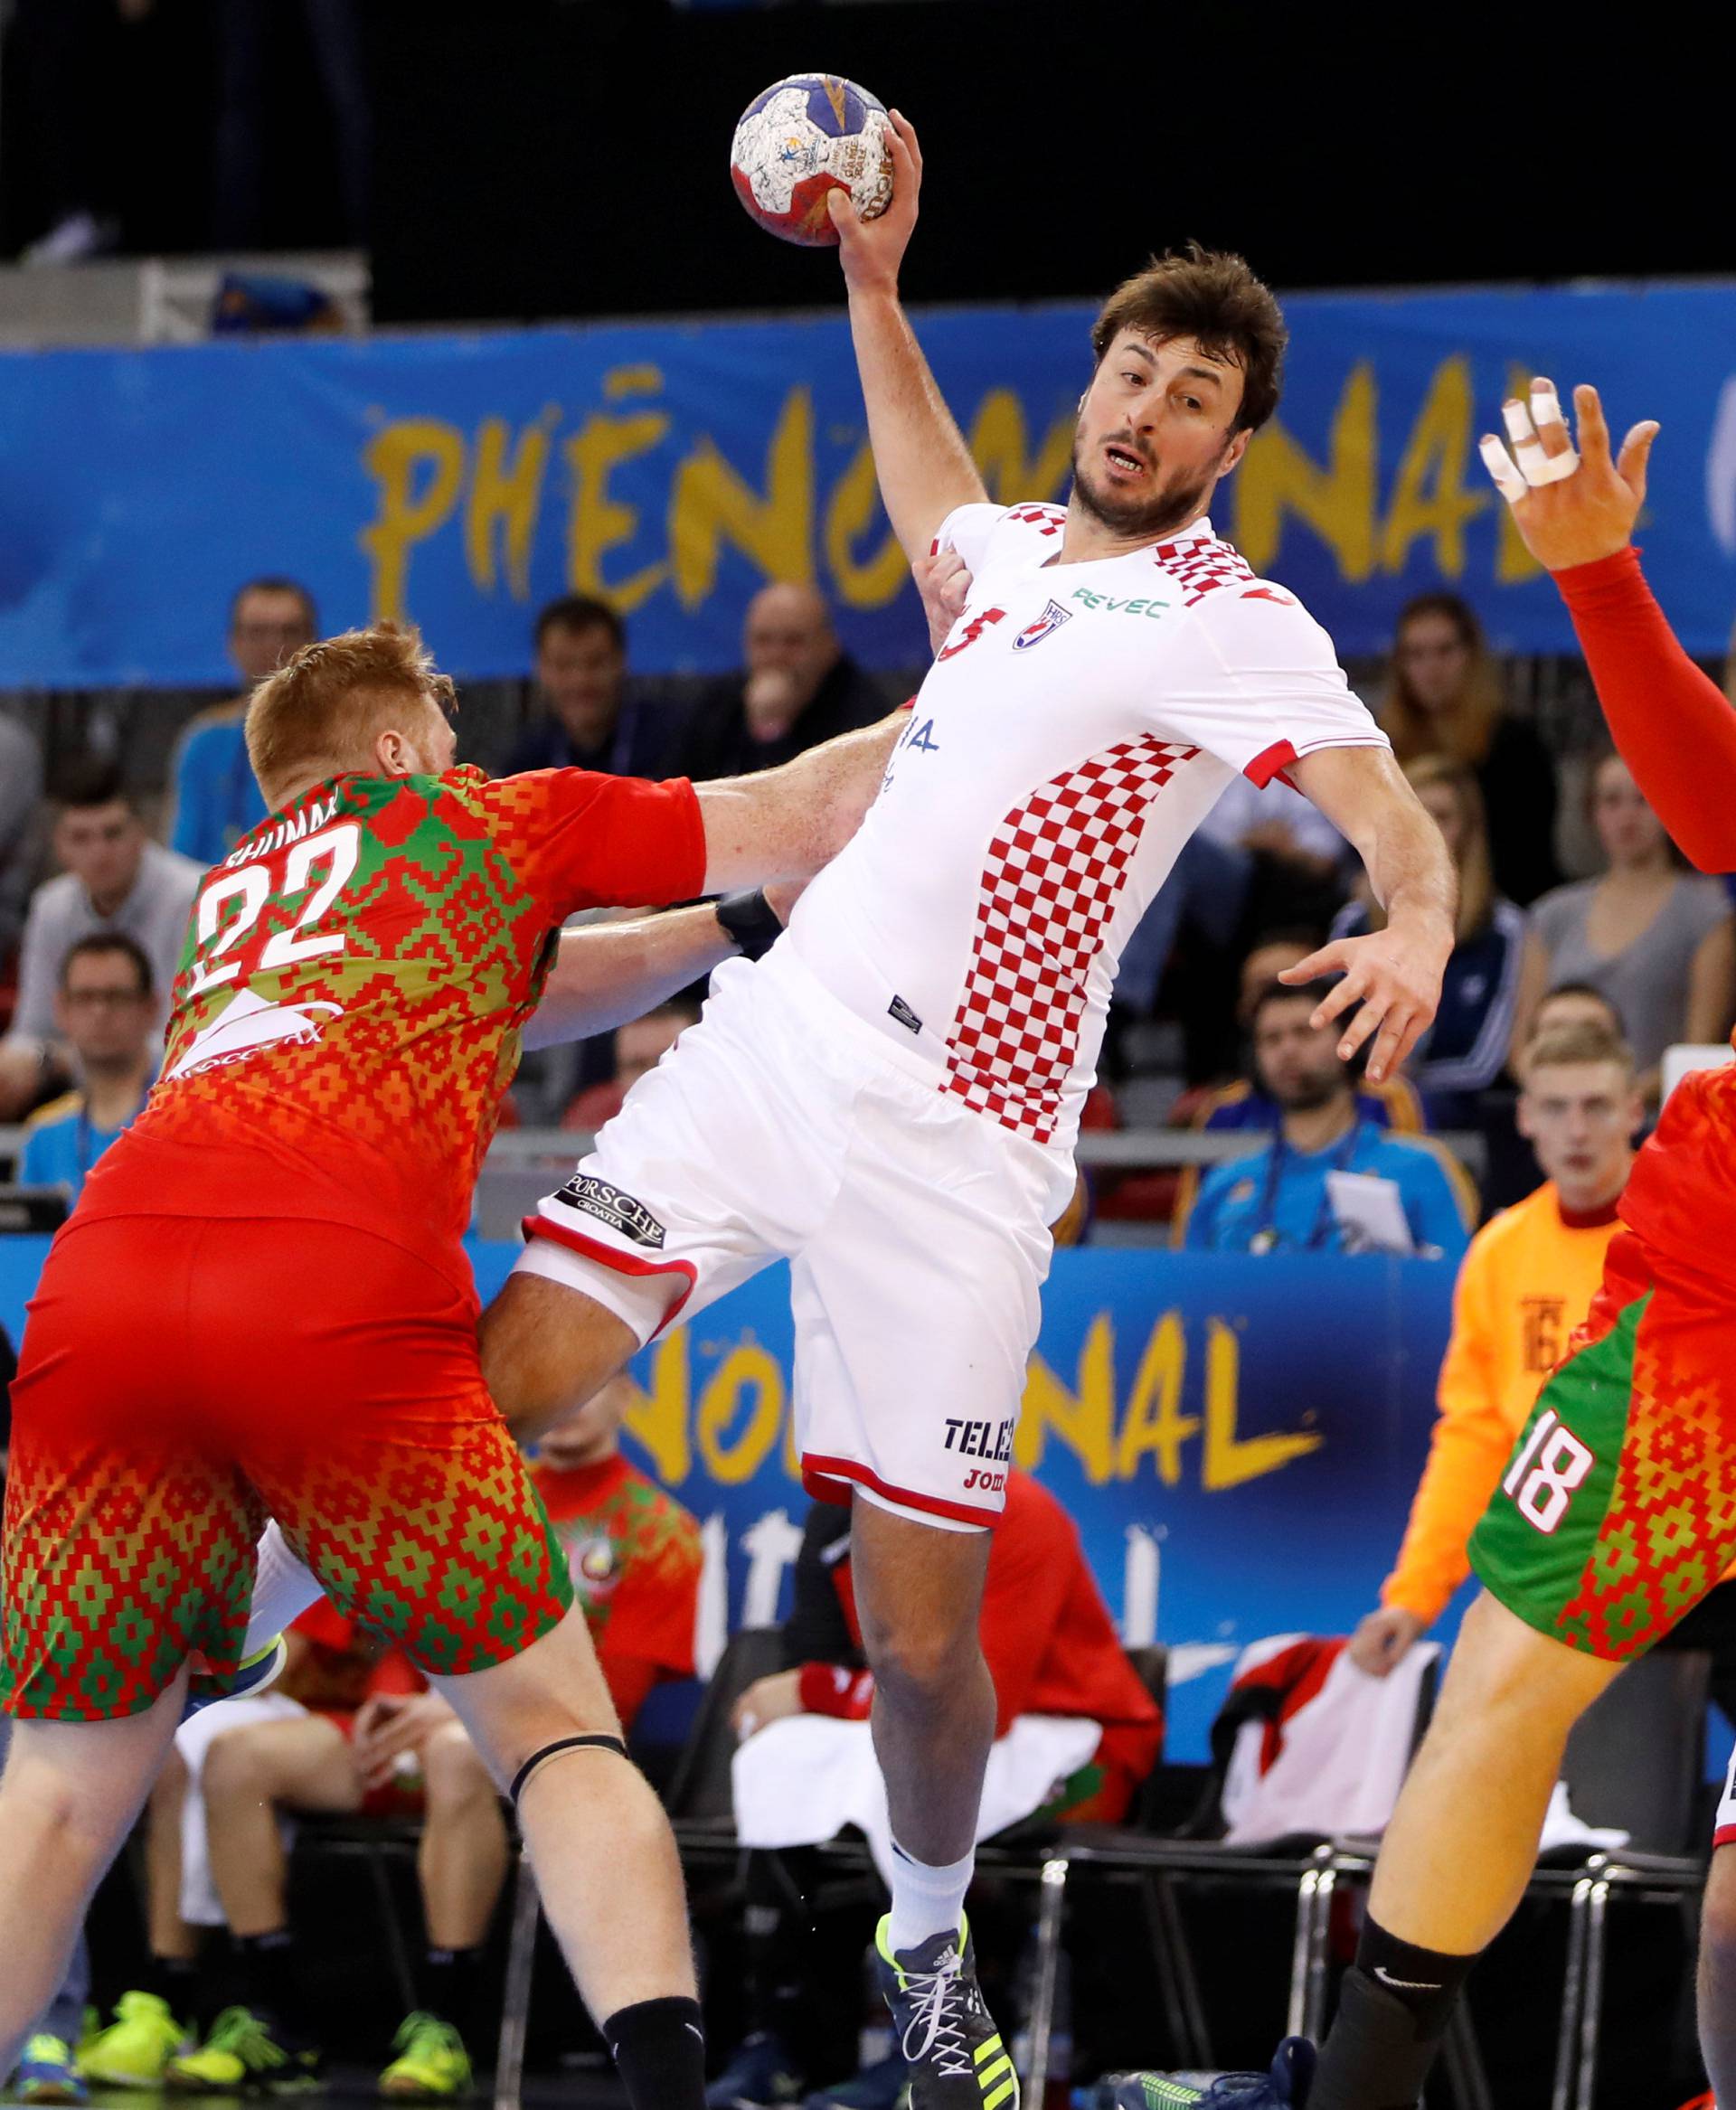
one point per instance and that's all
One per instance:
(924, 466)
(1672, 726)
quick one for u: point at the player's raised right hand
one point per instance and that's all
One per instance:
(1569, 510)
(870, 250)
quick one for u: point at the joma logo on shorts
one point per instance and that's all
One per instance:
(623, 1212)
(981, 1439)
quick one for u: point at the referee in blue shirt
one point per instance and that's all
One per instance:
(105, 1009)
(1282, 1199)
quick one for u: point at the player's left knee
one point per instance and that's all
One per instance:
(72, 1820)
(544, 1352)
(1502, 1667)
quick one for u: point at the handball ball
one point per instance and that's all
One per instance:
(804, 136)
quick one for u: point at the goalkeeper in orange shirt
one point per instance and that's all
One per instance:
(1526, 1283)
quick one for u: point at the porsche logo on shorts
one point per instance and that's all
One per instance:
(625, 1213)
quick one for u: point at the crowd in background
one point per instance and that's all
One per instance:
(1585, 949)
(1566, 879)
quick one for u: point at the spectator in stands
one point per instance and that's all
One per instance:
(800, 687)
(1575, 1004)
(1657, 939)
(1465, 1050)
(1285, 1197)
(1444, 698)
(1052, 1650)
(21, 796)
(588, 716)
(1526, 1283)
(1242, 1104)
(639, 1045)
(216, 800)
(636, 1559)
(105, 1011)
(116, 879)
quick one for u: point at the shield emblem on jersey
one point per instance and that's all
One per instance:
(1045, 625)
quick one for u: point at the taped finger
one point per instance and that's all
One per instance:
(1499, 463)
(1535, 466)
(1548, 417)
(1527, 448)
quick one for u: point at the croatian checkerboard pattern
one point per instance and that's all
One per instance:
(1202, 566)
(1055, 870)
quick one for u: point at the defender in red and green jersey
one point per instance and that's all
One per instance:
(263, 1304)
(345, 1020)
(263, 1309)
(347, 1014)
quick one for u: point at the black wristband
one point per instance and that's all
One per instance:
(751, 920)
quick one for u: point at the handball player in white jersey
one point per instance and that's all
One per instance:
(889, 1097)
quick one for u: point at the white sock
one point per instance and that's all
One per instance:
(926, 1900)
(283, 1588)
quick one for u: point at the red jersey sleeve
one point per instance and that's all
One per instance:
(1672, 726)
(582, 840)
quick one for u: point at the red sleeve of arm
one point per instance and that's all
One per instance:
(1672, 726)
(581, 840)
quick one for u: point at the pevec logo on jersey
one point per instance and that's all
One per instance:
(623, 1212)
(1045, 625)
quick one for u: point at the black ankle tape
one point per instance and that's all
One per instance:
(562, 1744)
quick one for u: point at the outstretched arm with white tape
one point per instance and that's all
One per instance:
(1571, 505)
(1576, 512)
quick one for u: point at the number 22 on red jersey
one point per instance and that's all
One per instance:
(230, 908)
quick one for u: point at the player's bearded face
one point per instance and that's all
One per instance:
(1156, 430)
(1167, 496)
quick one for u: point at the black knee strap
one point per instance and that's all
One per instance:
(537, 1758)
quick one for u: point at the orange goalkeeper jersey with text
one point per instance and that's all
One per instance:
(347, 1012)
(1526, 1282)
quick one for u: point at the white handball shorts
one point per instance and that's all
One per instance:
(1723, 1825)
(916, 1229)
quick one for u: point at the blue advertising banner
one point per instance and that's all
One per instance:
(674, 469)
(1236, 1438)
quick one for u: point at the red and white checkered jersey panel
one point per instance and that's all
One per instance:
(1055, 871)
(1077, 727)
(1202, 565)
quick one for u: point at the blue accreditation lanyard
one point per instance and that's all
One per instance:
(1265, 1240)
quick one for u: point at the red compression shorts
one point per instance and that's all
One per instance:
(183, 1377)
